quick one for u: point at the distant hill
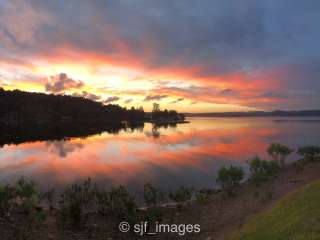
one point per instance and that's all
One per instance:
(278, 113)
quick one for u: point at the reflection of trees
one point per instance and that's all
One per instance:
(63, 147)
(164, 125)
(29, 132)
(155, 132)
(156, 126)
(139, 126)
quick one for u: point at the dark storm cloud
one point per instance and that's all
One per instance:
(303, 74)
(61, 82)
(219, 37)
(222, 35)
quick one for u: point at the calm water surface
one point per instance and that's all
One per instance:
(189, 154)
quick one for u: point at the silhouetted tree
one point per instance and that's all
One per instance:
(262, 170)
(279, 152)
(166, 115)
(230, 178)
(19, 106)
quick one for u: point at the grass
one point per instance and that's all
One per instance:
(296, 217)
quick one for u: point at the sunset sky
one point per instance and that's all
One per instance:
(189, 55)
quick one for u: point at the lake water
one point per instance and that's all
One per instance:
(189, 154)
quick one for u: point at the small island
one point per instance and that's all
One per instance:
(164, 117)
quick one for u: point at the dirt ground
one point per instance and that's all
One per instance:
(219, 216)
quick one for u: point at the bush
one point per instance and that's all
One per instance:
(27, 193)
(181, 195)
(230, 178)
(310, 153)
(203, 197)
(6, 194)
(122, 205)
(75, 199)
(152, 195)
(103, 202)
(262, 170)
(279, 152)
(117, 203)
(21, 196)
(25, 188)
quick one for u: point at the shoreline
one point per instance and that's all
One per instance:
(166, 122)
(218, 214)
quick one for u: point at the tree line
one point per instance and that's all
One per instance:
(17, 106)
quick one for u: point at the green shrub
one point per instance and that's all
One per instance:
(21, 196)
(152, 195)
(75, 199)
(103, 202)
(122, 205)
(203, 197)
(117, 203)
(71, 204)
(230, 178)
(310, 153)
(181, 195)
(6, 194)
(25, 188)
(27, 193)
(262, 170)
(279, 152)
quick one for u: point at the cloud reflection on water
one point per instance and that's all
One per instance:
(189, 154)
